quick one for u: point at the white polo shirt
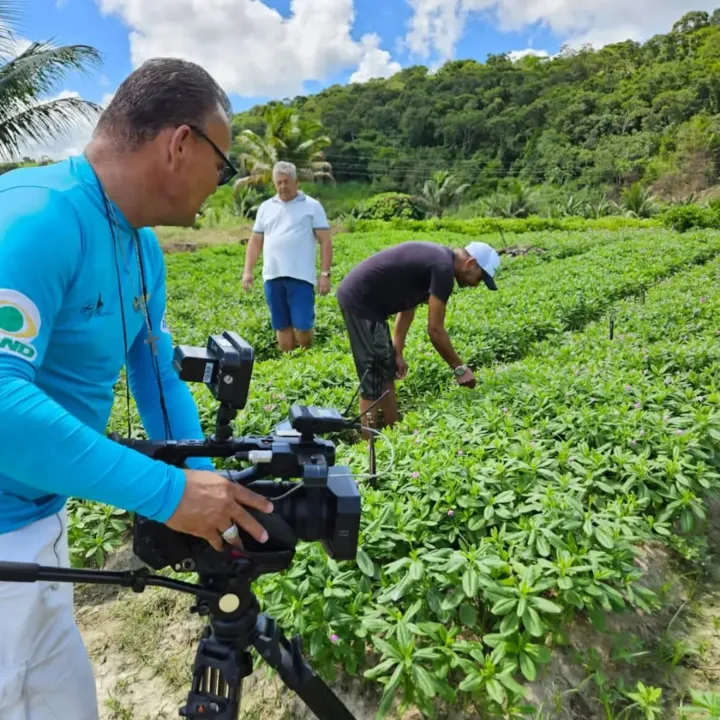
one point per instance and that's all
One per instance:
(289, 244)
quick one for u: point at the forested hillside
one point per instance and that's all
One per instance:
(601, 118)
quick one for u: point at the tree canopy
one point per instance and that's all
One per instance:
(603, 118)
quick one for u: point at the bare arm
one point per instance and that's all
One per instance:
(254, 249)
(325, 240)
(403, 320)
(438, 335)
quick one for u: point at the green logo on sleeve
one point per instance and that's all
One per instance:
(19, 324)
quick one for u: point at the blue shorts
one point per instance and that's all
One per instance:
(291, 303)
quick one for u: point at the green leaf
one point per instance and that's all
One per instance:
(472, 682)
(496, 691)
(416, 570)
(470, 582)
(545, 605)
(503, 607)
(527, 667)
(374, 673)
(423, 680)
(522, 606)
(364, 562)
(493, 639)
(532, 622)
(468, 615)
(604, 538)
(389, 694)
(388, 649)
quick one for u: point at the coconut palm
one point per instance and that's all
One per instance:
(441, 192)
(28, 76)
(288, 137)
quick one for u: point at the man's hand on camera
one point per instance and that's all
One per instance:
(247, 280)
(467, 379)
(211, 504)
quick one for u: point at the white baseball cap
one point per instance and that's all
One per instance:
(487, 258)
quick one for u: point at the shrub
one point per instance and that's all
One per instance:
(389, 206)
(685, 217)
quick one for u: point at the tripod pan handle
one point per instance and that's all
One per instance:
(19, 572)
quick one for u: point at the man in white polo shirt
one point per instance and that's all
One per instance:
(287, 227)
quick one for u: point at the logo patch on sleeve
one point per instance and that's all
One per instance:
(163, 325)
(19, 324)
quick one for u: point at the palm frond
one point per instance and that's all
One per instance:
(42, 122)
(38, 70)
(9, 17)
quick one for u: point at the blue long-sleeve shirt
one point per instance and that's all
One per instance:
(62, 350)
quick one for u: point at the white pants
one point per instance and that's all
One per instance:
(45, 671)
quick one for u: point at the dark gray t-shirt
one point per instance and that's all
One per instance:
(399, 278)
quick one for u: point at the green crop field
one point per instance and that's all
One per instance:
(506, 513)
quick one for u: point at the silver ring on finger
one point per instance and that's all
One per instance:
(232, 533)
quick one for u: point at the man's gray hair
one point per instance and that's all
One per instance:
(284, 168)
(162, 92)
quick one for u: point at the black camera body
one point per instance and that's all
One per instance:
(324, 506)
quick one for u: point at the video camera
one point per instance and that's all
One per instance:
(323, 506)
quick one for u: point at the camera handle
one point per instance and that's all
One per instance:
(222, 659)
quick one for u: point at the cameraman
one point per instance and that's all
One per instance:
(82, 294)
(394, 282)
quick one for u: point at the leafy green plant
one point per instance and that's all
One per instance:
(389, 206)
(510, 511)
(686, 217)
(705, 706)
(94, 531)
(487, 225)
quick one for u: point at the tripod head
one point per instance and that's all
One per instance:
(314, 501)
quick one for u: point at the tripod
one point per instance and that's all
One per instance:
(222, 659)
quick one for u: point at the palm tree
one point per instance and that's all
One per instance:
(441, 192)
(288, 137)
(28, 76)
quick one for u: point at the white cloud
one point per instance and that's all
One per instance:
(249, 47)
(69, 143)
(516, 55)
(20, 45)
(437, 25)
(375, 63)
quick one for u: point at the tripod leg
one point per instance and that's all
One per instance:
(286, 657)
(371, 456)
(218, 673)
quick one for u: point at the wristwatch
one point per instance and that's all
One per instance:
(325, 273)
(460, 370)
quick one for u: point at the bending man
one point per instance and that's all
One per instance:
(394, 282)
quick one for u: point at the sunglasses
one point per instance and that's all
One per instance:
(228, 171)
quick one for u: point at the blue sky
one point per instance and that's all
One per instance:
(272, 49)
(81, 21)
